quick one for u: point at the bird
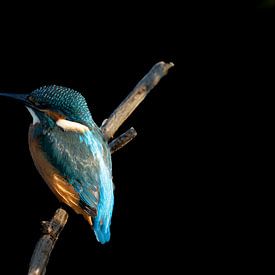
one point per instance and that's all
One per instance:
(71, 154)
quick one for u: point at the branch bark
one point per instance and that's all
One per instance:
(130, 103)
(122, 140)
(45, 245)
(53, 228)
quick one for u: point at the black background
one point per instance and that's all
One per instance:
(145, 172)
(178, 196)
(104, 64)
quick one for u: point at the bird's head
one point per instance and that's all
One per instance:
(56, 104)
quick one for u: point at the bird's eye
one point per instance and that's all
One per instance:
(35, 103)
(32, 100)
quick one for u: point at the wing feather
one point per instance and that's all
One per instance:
(78, 161)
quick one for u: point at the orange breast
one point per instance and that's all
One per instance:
(59, 186)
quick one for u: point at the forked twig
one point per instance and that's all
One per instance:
(122, 140)
(130, 103)
(45, 245)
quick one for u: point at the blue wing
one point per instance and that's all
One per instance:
(84, 161)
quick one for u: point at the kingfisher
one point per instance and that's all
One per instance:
(70, 153)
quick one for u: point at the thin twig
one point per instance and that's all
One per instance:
(122, 140)
(130, 103)
(45, 245)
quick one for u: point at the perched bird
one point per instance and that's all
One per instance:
(70, 153)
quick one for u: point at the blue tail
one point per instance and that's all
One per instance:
(102, 232)
(102, 220)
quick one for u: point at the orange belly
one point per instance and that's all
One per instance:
(59, 186)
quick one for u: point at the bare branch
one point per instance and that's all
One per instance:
(130, 103)
(122, 140)
(45, 245)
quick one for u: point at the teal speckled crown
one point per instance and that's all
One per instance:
(68, 101)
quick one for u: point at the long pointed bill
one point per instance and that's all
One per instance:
(23, 98)
(19, 97)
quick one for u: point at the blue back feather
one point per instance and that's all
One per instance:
(102, 221)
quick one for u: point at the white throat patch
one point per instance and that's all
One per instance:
(34, 116)
(67, 125)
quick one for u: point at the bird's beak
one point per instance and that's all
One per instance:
(23, 98)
